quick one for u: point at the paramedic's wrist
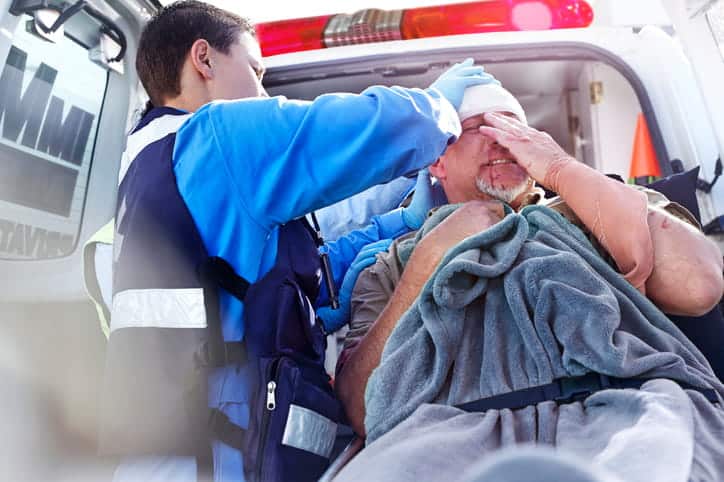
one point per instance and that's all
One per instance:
(392, 224)
(412, 219)
(415, 214)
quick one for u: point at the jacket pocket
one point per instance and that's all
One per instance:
(296, 417)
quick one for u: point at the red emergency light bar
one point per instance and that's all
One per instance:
(373, 25)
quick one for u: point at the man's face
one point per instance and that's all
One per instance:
(476, 167)
(238, 74)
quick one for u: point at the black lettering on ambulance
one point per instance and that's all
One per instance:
(33, 242)
(67, 139)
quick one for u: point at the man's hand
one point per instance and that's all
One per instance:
(468, 220)
(676, 266)
(535, 151)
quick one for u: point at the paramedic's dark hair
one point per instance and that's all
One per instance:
(167, 39)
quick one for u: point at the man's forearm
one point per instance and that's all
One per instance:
(352, 380)
(671, 262)
(615, 213)
(620, 219)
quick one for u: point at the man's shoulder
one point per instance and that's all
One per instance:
(371, 293)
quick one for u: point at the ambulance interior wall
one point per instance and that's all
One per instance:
(607, 119)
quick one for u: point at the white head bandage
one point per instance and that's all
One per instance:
(480, 99)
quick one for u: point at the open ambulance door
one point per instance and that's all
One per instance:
(66, 92)
(699, 26)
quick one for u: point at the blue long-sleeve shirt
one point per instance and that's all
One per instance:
(245, 167)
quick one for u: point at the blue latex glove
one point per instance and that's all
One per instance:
(453, 82)
(415, 214)
(333, 319)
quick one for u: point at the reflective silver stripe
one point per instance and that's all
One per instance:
(307, 430)
(156, 130)
(159, 308)
(304, 300)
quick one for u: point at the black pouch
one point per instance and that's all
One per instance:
(295, 411)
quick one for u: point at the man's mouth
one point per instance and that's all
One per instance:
(496, 162)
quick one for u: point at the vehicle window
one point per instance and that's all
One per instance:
(715, 16)
(50, 101)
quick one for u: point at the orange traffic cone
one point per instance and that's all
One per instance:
(644, 165)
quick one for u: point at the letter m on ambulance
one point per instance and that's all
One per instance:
(47, 128)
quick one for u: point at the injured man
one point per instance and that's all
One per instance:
(515, 338)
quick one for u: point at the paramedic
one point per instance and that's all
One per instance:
(201, 178)
(651, 241)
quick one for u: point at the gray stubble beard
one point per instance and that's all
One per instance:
(505, 195)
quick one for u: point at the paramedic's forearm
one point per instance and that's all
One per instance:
(352, 380)
(300, 156)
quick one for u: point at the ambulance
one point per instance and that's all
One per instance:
(629, 87)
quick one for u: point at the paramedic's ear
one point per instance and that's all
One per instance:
(437, 169)
(200, 55)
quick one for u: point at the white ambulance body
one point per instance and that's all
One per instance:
(65, 110)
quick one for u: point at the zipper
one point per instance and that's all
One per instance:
(269, 407)
(271, 402)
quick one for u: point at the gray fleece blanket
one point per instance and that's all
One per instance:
(523, 303)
